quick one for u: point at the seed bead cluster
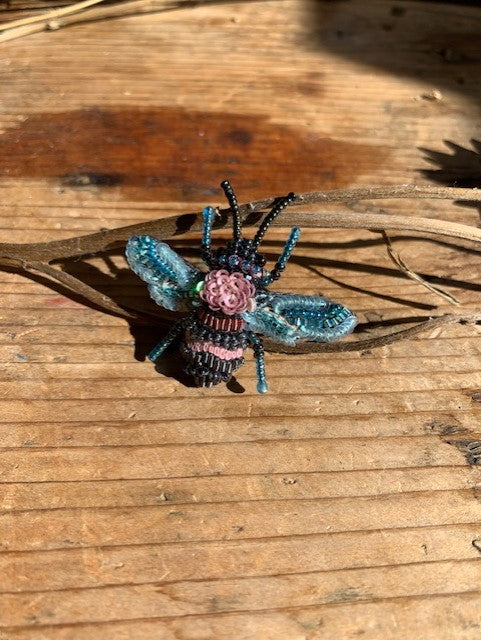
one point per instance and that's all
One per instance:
(225, 339)
(219, 322)
(231, 306)
(213, 354)
(328, 318)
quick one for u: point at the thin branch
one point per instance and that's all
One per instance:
(49, 15)
(396, 258)
(380, 341)
(412, 275)
(174, 225)
(78, 287)
(81, 13)
(36, 257)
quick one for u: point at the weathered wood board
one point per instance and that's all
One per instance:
(343, 504)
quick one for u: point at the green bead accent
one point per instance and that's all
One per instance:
(198, 287)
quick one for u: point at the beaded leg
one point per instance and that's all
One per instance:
(280, 265)
(258, 349)
(208, 218)
(172, 335)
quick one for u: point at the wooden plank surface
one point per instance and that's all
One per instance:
(346, 502)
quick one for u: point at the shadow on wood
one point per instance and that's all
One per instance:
(441, 46)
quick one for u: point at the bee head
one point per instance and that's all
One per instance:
(240, 256)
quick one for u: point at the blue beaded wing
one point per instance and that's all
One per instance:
(286, 318)
(170, 278)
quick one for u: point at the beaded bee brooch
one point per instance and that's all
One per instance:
(230, 307)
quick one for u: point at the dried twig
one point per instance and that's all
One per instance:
(49, 15)
(174, 225)
(81, 12)
(399, 262)
(36, 257)
(77, 286)
(365, 344)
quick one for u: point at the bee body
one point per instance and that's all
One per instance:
(230, 306)
(213, 347)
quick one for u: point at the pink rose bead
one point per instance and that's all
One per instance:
(230, 293)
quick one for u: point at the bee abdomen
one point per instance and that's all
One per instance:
(213, 347)
(221, 353)
(211, 363)
(207, 368)
(227, 340)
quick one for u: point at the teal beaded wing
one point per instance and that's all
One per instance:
(171, 279)
(287, 318)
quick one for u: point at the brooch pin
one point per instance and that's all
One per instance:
(230, 307)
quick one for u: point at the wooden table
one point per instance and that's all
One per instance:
(343, 504)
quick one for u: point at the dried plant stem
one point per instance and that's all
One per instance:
(412, 275)
(36, 257)
(168, 227)
(398, 261)
(376, 193)
(81, 12)
(80, 288)
(45, 23)
(364, 344)
(49, 15)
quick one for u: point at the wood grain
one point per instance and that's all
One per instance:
(346, 502)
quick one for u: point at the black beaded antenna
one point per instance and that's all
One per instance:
(281, 204)
(234, 207)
